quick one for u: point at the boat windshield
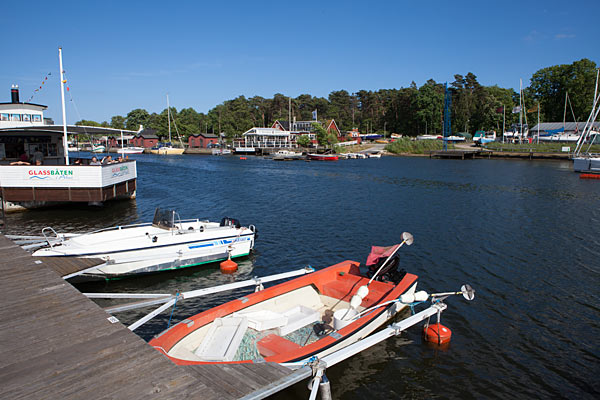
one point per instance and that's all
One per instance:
(164, 219)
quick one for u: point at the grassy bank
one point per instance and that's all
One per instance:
(405, 145)
(535, 147)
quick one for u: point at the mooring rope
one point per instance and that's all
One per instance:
(173, 310)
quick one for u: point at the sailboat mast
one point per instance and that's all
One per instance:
(565, 112)
(169, 117)
(64, 113)
(520, 109)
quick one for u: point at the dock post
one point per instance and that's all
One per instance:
(325, 388)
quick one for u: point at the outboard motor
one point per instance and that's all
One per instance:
(230, 222)
(389, 273)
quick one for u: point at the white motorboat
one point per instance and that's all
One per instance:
(221, 152)
(282, 155)
(167, 243)
(132, 150)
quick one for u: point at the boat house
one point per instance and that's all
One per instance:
(146, 138)
(118, 141)
(202, 140)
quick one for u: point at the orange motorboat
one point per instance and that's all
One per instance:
(312, 315)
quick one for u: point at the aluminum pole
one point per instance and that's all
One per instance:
(64, 114)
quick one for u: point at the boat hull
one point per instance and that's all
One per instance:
(132, 150)
(323, 157)
(167, 151)
(586, 164)
(327, 290)
(146, 249)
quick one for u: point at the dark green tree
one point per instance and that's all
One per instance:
(303, 141)
(117, 122)
(135, 118)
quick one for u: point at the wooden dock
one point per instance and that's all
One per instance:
(455, 153)
(56, 343)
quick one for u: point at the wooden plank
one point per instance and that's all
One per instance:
(267, 371)
(56, 343)
(225, 388)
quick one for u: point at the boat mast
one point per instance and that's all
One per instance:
(64, 114)
(169, 118)
(565, 112)
(590, 121)
(520, 110)
(503, 122)
(538, 141)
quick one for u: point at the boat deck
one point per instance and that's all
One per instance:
(56, 343)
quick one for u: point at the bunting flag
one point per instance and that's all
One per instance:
(40, 88)
(500, 109)
(532, 109)
(516, 110)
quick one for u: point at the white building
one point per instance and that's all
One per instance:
(263, 138)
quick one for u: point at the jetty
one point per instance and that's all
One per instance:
(56, 343)
(456, 154)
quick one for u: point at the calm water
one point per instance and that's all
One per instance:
(525, 235)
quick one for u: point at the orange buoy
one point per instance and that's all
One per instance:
(589, 176)
(437, 333)
(228, 266)
(242, 158)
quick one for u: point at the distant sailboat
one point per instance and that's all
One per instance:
(169, 150)
(583, 159)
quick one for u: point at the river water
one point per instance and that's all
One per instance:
(524, 234)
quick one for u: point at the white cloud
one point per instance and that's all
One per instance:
(564, 36)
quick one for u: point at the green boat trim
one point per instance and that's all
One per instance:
(117, 278)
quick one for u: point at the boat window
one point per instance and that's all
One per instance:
(164, 219)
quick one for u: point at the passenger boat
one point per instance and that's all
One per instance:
(312, 315)
(323, 157)
(165, 244)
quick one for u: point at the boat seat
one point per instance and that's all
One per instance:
(296, 318)
(272, 345)
(222, 339)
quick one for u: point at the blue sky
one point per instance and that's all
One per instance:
(121, 55)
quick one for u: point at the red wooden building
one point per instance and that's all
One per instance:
(146, 138)
(202, 140)
(115, 141)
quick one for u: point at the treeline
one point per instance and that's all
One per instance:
(409, 111)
